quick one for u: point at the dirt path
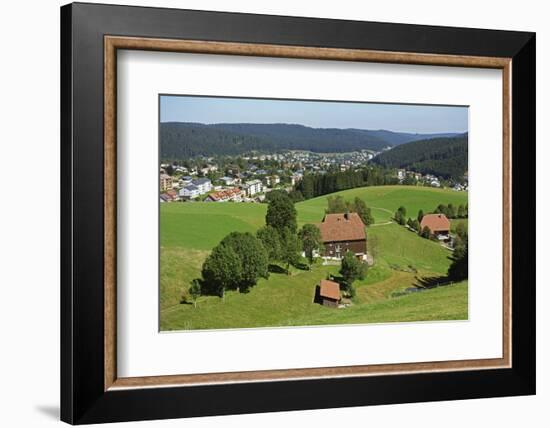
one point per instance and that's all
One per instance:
(385, 223)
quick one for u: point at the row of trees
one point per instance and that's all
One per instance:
(451, 211)
(337, 204)
(313, 185)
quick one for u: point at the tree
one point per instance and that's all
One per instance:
(399, 217)
(269, 236)
(462, 230)
(195, 291)
(222, 270)
(290, 248)
(281, 214)
(451, 211)
(274, 194)
(426, 232)
(410, 222)
(420, 216)
(295, 196)
(253, 258)
(416, 225)
(363, 211)
(402, 210)
(461, 213)
(310, 235)
(458, 270)
(351, 268)
(336, 204)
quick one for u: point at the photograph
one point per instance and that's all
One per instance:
(288, 213)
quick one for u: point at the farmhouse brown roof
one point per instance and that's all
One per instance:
(342, 227)
(436, 222)
(329, 289)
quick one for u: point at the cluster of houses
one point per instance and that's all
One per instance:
(233, 189)
(430, 179)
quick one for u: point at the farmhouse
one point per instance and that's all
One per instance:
(343, 232)
(327, 293)
(438, 224)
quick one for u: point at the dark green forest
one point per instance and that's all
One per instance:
(313, 185)
(444, 157)
(181, 140)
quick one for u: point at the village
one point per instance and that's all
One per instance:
(250, 178)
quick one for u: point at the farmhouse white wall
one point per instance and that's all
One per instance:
(29, 272)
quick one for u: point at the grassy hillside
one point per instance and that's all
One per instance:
(385, 200)
(190, 230)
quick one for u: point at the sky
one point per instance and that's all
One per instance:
(316, 114)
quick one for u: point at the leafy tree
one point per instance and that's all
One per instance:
(415, 225)
(310, 236)
(462, 230)
(222, 270)
(269, 236)
(441, 209)
(420, 216)
(426, 232)
(295, 196)
(351, 268)
(451, 211)
(410, 222)
(399, 217)
(281, 214)
(461, 212)
(195, 291)
(274, 194)
(402, 210)
(363, 211)
(459, 265)
(336, 204)
(253, 258)
(290, 248)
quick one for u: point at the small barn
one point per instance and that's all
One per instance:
(438, 224)
(327, 293)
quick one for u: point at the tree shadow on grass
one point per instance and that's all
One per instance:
(431, 282)
(276, 269)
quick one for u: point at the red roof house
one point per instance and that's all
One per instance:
(438, 224)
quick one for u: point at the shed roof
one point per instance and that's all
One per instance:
(329, 289)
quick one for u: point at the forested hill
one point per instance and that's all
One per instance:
(181, 140)
(445, 157)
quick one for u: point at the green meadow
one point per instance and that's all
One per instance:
(402, 260)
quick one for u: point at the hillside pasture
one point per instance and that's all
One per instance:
(188, 231)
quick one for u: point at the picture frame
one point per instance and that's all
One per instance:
(91, 391)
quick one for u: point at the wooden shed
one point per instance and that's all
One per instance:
(328, 293)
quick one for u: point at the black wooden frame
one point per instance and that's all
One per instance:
(83, 399)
